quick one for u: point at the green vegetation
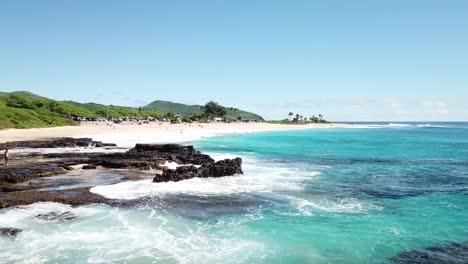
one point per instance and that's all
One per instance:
(176, 108)
(27, 110)
(212, 110)
(298, 119)
(113, 111)
(197, 110)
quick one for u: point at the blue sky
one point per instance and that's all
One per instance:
(349, 60)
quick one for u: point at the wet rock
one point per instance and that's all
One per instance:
(78, 196)
(21, 174)
(179, 174)
(453, 253)
(54, 216)
(10, 231)
(68, 168)
(221, 168)
(9, 187)
(124, 163)
(89, 167)
(62, 142)
(141, 157)
(164, 148)
(132, 178)
(146, 157)
(174, 152)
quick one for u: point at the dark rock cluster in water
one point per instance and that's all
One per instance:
(221, 168)
(54, 216)
(10, 231)
(26, 167)
(453, 253)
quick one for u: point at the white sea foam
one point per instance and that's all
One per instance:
(257, 178)
(218, 157)
(173, 165)
(374, 126)
(307, 206)
(398, 125)
(431, 126)
(105, 234)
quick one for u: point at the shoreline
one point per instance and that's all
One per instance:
(125, 134)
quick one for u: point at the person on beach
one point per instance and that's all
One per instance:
(6, 156)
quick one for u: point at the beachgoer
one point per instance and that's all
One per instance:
(6, 156)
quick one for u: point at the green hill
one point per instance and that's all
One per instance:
(27, 110)
(100, 110)
(186, 110)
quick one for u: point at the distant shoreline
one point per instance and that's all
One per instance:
(159, 132)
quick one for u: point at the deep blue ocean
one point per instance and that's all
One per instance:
(379, 193)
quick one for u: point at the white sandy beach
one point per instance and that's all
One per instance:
(127, 134)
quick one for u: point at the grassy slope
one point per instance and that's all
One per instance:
(116, 111)
(27, 110)
(186, 110)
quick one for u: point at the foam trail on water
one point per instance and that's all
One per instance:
(398, 125)
(431, 126)
(344, 205)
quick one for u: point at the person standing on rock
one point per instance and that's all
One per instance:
(6, 156)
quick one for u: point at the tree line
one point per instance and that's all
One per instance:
(300, 118)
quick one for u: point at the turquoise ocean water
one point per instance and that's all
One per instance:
(359, 195)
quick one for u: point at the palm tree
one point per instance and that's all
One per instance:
(290, 115)
(314, 119)
(320, 117)
(296, 118)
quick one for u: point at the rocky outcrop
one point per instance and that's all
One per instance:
(24, 173)
(129, 163)
(63, 142)
(141, 157)
(172, 152)
(10, 231)
(221, 168)
(79, 196)
(16, 190)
